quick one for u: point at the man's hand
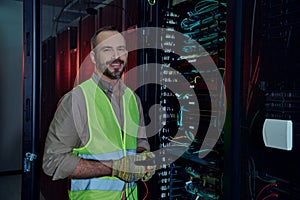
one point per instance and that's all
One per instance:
(126, 169)
(150, 169)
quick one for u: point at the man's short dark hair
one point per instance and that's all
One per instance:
(104, 28)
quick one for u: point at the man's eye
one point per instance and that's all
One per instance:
(107, 50)
(122, 49)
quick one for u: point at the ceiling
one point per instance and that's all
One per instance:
(73, 9)
(57, 3)
(58, 14)
(61, 3)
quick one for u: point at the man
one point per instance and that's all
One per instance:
(97, 132)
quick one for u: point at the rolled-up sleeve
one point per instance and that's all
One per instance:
(142, 140)
(63, 135)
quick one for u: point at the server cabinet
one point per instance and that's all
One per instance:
(188, 26)
(66, 41)
(270, 100)
(31, 99)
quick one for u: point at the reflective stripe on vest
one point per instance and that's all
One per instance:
(108, 156)
(99, 184)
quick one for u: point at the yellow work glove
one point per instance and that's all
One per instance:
(150, 169)
(126, 169)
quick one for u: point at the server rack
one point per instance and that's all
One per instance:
(31, 99)
(270, 92)
(189, 176)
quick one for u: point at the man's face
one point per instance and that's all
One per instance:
(110, 54)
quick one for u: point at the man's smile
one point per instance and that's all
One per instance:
(116, 64)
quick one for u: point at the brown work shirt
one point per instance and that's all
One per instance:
(69, 128)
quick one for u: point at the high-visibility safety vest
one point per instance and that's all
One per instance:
(106, 142)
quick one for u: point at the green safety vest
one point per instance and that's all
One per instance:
(106, 143)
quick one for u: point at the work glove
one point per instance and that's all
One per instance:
(150, 169)
(126, 169)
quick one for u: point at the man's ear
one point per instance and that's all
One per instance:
(92, 56)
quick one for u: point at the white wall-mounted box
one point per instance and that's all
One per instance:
(278, 134)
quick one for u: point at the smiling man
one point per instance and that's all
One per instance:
(98, 131)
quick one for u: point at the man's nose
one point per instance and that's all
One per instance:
(116, 54)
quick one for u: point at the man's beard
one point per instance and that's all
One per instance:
(116, 74)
